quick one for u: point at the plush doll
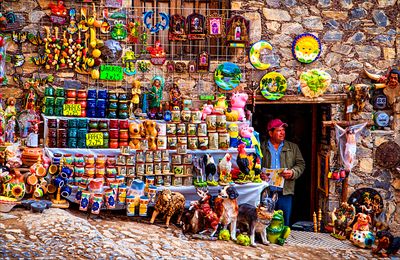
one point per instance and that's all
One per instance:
(207, 110)
(238, 102)
(246, 133)
(150, 133)
(134, 134)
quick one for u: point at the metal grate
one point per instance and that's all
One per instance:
(317, 240)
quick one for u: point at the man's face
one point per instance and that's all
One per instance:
(393, 80)
(277, 134)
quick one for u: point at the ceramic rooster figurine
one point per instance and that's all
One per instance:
(224, 168)
(210, 170)
(246, 163)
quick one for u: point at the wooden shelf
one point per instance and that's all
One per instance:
(299, 99)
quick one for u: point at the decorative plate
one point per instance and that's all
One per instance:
(368, 199)
(255, 52)
(227, 76)
(306, 48)
(314, 82)
(273, 85)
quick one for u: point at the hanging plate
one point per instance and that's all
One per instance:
(255, 52)
(273, 86)
(387, 155)
(366, 198)
(314, 82)
(306, 48)
(227, 76)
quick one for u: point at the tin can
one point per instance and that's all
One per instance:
(176, 158)
(203, 142)
(211, 121)
(223, 140)
(187, 181)
(177, 169)
(181, 129)
(221, 123)
(121, 159)
(149, 168)
(202, 129)
(193, 142)
(171, 142)
(149, 156)
(182, 139)
(130, 160)
(187, 169)
(162, 128)
(161, 142)
(196, 116)
(185, 115)
(139, 169)
(157, 156)
(165, 168)
(167, 180)
(181, 148)
(121, 170)
(110, 198)
(213, 141)
(130, 171)
(159, 180)
(140, 156)
(171, 129)
(157, 168)
(187, 158)
(144, 144)
(143, 203)
(165, 156)
(191, 129)
(175, 116)
(177, 181)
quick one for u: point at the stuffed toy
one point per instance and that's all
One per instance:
(150, 133)
(207, 110)
(246, 132)
(134, 134)
(238, 102)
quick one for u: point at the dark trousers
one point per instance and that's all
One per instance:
(284, 203)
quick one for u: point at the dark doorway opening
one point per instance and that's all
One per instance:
(304, 122)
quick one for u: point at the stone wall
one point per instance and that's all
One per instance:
(355, 35)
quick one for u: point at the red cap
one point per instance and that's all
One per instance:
(275, 123)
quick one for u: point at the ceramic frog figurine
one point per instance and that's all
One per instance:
(277, 231)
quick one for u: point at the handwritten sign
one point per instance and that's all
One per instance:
(111, 72)
(72, 109)
(94, 139)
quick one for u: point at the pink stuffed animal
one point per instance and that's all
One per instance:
(245, 133)
(207, 110)
(238, 102)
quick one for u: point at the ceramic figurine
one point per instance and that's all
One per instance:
(10, 109)
(175, 97)
(389, 82)
(58, 12)
(361, 236)
(210, 170)
(149, 132)
(134, 135)
(233, 130)
(118, 31)
(156, 93)
(238, 103)
(341, 219)
(157, 54)
(247, 163)
(31, 98)
(210, 217)
(207, 110)
(33, 136)
(388, 242)
(129, 59)
(2, 128)
(360, 94)
(227, 209)
(169, 203)
(277, 231)
(10, 130)
(221, 105)
(136, 91)
(133, 32)
(15, 188)
(224, 169)
(246, 133)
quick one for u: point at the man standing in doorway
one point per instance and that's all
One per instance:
(279, 153)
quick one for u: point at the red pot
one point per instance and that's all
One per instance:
(83, 113)
(82, 102)
(113, 143)
(123, 143)
(123, 124)
(114, 133)
(82, 94)
(113, 123)
(71, 93)
(70, 101)
(123, 135)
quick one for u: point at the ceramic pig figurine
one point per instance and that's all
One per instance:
(207, 110)
(238, 102)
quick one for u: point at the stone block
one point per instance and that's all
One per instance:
(380, 18)
(333, 36)
(273, 26)
(366, 165)
(386, 3)
(352, 25)
(299, 11)
(389, 53)
(380, 140)
(358, 13)
(22, 6)
(276, 14)
(368, 52)
(36, 16)
(346, 4)
(313, 22)
(332, 59)
(338, 15)
(282, 40)
(332, 24)
(255, 28)
(236, 5)
(347, 78)
(354, 180)
(396, 184)
(342, 48)
(324, 3)
(292, 28)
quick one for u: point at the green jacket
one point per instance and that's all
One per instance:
(291, 159)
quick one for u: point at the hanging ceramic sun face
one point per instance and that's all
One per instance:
(196, 30)
(176, 30)
(255, 53)
(237, 31)
(306, 48)
(273, 86)
(227, 76)
(314, 82)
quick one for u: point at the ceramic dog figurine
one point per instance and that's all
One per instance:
(211, 218)
(388, 242)
(169, 203)
(257, 219)
(193, 220)
(227, 208)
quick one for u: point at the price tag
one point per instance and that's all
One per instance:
(111, 72)
(94, 139)
(72, 109)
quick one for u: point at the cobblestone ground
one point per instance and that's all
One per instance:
(67, 234)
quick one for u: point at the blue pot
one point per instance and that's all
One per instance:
(102, 94)
(92, 94)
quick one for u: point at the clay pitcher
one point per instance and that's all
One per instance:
(15, 188)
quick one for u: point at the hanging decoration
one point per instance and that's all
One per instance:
(389, 82)
(176, 30)
(215, 26)
(273, 86)
(3, 48)
(83, 26)
(162, 25)
(227, 76)
(58, 13)
(306, 48)
(314, 82)
(118, 31)
(133, 32)
(18, 59)
(203, 62)
(195, 24)
(157, 54)
(255, 54)
(9, 22)
(72, 27)
(129, 60)
(237, 31)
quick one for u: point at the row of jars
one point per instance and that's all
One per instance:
(213, 141)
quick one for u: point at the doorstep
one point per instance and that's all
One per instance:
(318, 240)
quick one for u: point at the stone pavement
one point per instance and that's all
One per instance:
(70, 234)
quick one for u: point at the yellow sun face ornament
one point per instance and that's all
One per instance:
(306, 48)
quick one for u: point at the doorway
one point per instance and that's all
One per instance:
(304, 122)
